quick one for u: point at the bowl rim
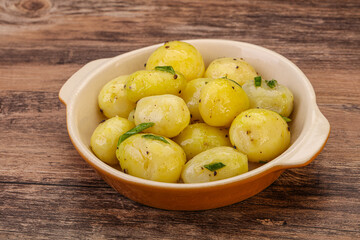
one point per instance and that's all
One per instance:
(274, 165)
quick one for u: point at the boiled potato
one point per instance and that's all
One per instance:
(260, 134)
(214, 164)
(169, 113)
(199, 137)
(275, 96)
(145, 83)
(183, 57)
(151, 159)
(112, 99)
(104, 139)
(131, 116)
(191, 95)
(221, 100)
(233, 68)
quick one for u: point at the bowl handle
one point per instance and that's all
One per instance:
(312, 143)
(67, 90)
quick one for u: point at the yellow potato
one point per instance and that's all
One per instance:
(233, 68)
(104, 139)
(131, 116)
(112, 98)
(221, 100)
(146, 83)
(277, 98)
(260, 134)
(191, 95)
(233, 163)
(199, 137)
(151, 159)
(169, 113)
(183, 57)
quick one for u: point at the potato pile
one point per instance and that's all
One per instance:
(177, 121)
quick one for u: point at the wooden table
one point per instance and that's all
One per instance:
(47, 191)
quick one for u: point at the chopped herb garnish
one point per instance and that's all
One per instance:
(231, 80)
(168, 69)
(257, 81)
(214, 166)
(262, 161)
(135, 130)
(154, 137)
(286, 119)
(271, 83)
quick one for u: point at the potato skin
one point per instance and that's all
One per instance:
(169, 113)
(182, 56)
(233, 68)
(221, 100)
(200, 137)
(279, 99)
(146, 83)
(104, 139)
(260, 134)
(112, 98)
(151, 159)
(235, 163)
(191, 96)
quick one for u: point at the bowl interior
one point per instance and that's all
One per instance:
(86, 114)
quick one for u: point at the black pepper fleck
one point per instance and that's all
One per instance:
(101, 110)
(190, 115)
(179, 91)
(124, 85)
(234, 59)
(167, 46)
(226, 136)
(175, 76)
(232, 87)
(125, 170)
(206, 82)
(199, 100)
(147, 152)
(234, 147)
(237, 67)
(215, 173)
(102, 121)
(289, 129)
(144, 64)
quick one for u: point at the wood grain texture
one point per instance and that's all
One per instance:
(48, 192)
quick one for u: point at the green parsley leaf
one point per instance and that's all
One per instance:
(271, 83)
(214, 166)
(135, 130)
(231, 80)
(257, 81)
(168, 69)
(154, 137)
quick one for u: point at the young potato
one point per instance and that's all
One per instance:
(151, 159)
(169, 113)
(260, 134)
(221, 100)
(233, 68)
(191, 95)
(131, 116)
(199, 137)
(214, 164)
(275, 97)
(105, 137)
(182, 56)
(112, 99)
(145, 83)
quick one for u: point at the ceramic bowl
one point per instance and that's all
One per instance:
(309, 128)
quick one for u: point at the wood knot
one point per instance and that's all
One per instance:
(29, 8)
